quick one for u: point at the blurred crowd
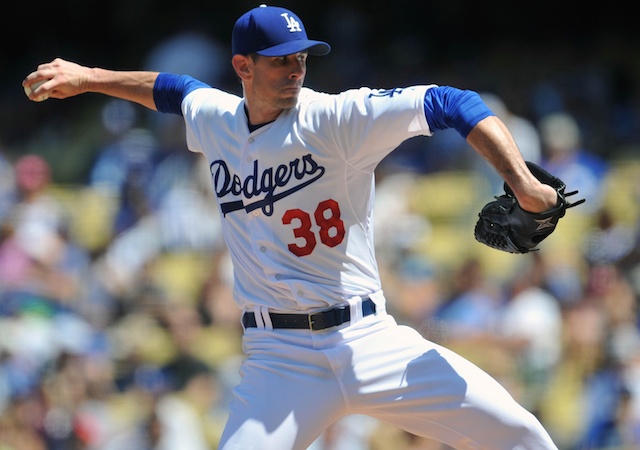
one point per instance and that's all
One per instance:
(118, 329)
(110, 337)
(117, 325)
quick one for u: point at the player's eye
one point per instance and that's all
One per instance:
(283, 60)
(279, 61)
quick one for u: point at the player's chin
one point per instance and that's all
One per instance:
(290, 100)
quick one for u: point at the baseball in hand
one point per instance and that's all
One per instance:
(33, 87)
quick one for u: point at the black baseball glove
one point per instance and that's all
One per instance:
(504, 225)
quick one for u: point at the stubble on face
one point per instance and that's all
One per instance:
(275, 84)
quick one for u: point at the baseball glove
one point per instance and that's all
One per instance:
(504, 225)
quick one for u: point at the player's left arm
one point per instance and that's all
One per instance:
(464, 110)
(491, 139)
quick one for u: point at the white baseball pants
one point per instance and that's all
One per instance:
(295, 383)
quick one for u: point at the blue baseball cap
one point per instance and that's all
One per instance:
(273, 31)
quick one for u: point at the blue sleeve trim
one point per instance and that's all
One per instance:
(169, 90)
(448, 107)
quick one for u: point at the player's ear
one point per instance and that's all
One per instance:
(241, 64)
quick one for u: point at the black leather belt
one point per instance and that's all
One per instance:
(314, 321)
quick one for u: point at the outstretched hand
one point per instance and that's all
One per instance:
(62, 78)
(65, 79)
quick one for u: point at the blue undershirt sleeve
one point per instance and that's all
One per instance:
(169, 90)
(448, 107)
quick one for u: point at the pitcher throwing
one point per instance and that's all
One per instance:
(293, 172)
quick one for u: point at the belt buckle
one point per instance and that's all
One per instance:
(311, 320)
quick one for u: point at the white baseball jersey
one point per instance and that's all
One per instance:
(296, 201)
(296, 195)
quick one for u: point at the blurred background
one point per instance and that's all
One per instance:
(117, 328)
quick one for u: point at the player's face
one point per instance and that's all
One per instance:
(277, 81)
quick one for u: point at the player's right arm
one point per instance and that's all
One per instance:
(157, 91)
(67, 79)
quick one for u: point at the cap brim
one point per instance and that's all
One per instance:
(315, 48)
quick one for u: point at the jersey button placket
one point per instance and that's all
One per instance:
(250, 151)
(257, 230)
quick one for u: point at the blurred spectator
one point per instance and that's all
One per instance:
(400, 230)
(36, 213)
(565, 156)
(397, 226)
(7, 186)
(471, 308)
(531, 324)
(124, 168)
(186, 220)
(35, 253)
(187, 415)
(609, 417)
(20, 425)
(189, 410)
(609, 241)
(630, 263)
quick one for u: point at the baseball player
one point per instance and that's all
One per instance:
(293, 172)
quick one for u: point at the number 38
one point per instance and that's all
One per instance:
(327, 218)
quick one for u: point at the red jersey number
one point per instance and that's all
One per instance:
(327, 218)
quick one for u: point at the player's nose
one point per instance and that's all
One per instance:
(298, 69)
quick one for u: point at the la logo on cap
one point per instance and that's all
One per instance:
(292, 24)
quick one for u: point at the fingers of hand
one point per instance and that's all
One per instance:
(34, 91)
